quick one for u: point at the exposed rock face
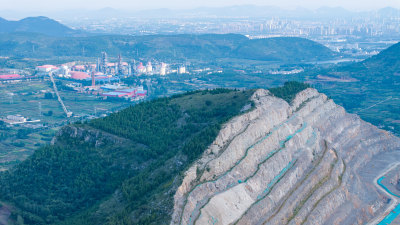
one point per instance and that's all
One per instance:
(309, 162)
(91, 136)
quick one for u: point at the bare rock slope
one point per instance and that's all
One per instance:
(308, 162)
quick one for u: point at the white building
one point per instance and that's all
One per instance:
(182, 70)
(46, 68)
(149, 68)
(163, 69)
(64, 71)
(16, 118)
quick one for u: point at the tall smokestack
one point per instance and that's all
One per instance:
(93, 80)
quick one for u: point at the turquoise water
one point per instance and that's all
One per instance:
(386, 189)
(395, 212)
(392, 216)
(277, 178)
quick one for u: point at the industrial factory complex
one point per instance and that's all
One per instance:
(102, 78)
(104, 69)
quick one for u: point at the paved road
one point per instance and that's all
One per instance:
(395, 199)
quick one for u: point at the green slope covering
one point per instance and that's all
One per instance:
(165, 47)
(121, 169)
(289, 90)
(289, 49)
(388, 61)
(382, 68)
(374, 91)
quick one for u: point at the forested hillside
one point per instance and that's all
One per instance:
(127, 164)
(165, 47)
(283, 49)
(369, 88)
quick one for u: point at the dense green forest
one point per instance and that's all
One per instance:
(289, 90)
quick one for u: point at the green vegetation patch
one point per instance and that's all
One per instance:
(289, 90)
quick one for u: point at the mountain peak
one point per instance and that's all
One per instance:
(39, 24)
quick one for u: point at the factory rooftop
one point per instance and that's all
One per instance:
(10, 76)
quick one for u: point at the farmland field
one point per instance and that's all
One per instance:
(27, 99)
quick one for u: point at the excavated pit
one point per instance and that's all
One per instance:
(308, 162)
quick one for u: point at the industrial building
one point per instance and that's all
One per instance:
(46, 68)
(128, 93)
(181, 70)
(10, 77)
(16, 118)
(103, 67)
(77, 75)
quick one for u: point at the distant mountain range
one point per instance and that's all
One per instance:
(166, 47)
(39, 24)
(212, 12)
(41, 37)
(252, 11)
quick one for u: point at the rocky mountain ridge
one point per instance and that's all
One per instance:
(308, 162)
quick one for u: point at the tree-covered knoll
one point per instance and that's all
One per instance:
(284, 49)
(289, 90)
(121, 169)
(38, 24)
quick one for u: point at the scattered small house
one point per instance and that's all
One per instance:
(16, 118)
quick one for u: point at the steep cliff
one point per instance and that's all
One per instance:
(307, 162)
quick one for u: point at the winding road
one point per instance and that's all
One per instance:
(393, 210)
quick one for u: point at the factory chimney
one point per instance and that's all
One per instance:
(93, 80)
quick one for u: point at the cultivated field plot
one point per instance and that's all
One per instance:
(28, 100)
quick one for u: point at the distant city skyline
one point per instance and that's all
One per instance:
(47, 5)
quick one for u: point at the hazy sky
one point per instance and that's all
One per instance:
(45, 5)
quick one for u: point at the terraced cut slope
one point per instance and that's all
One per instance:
(307, 162)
